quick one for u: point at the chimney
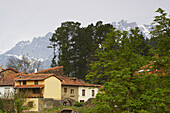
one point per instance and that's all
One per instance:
(35, 70)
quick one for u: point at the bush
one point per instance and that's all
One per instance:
(78, 104)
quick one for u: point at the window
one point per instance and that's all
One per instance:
(22, 90)
(7, 90)
(92, 93)
(82, 101)
(19, 82)
(36, 91)
(65, 90)
(36, 82)
(83, 92)
(24, 82)
(30, 104)
(72, 91)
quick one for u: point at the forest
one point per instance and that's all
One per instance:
(133, 70)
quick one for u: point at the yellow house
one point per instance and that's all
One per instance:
(36, 86)
(39, 85)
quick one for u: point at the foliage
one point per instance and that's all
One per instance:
(78, 104)
(117, 66)
(13, 102)
(119, 51)
(24, 64)
(78, 45)
(161, 33)
(53, 45)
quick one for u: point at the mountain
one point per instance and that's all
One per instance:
(37, 48)
(124, 25)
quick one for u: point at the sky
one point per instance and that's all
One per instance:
(26, 19)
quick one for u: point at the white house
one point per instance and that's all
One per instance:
(7, 84)
(86, 92)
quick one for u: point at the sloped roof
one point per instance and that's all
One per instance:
(73, 81)
(34, 76)
(148, 69)
(54, 68)
(9, 80)
(10, 69)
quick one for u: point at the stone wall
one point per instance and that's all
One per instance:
(51, 103)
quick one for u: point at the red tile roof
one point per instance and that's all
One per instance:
(10, 69)
(34, 76)
(29, 86)
(54, 68)
(147, 69)
(9, 80)
(73, 81)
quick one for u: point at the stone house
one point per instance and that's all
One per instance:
(8, 71)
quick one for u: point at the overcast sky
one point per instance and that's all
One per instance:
(26, 19)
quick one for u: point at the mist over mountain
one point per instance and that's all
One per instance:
(37, 48)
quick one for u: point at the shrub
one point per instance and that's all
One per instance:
(78, 104)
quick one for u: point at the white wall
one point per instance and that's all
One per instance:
(88, 93)
(2, 89)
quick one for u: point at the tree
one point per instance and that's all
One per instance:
(161, 33)
(24, 64)
(78, 45)
(12, 102)
(120, 56)
(53, 45)
(63, 38)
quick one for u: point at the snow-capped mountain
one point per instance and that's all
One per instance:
(123, 25)
(37, 48)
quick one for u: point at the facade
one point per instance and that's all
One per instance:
(77, 89)
(7, 84)
(39, 86)
(86, 92)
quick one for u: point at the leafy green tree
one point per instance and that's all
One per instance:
(120, 56)
(13, 102)
(118, 59)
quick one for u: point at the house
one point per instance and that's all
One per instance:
(36, 86)
(8, 71)
(56, 87)
(39, 85)
(7, 84)
(77, 89)
(47, 84)
(50, 86)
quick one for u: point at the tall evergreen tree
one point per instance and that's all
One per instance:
(53, 45)
(77, 45)
(161, 33)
